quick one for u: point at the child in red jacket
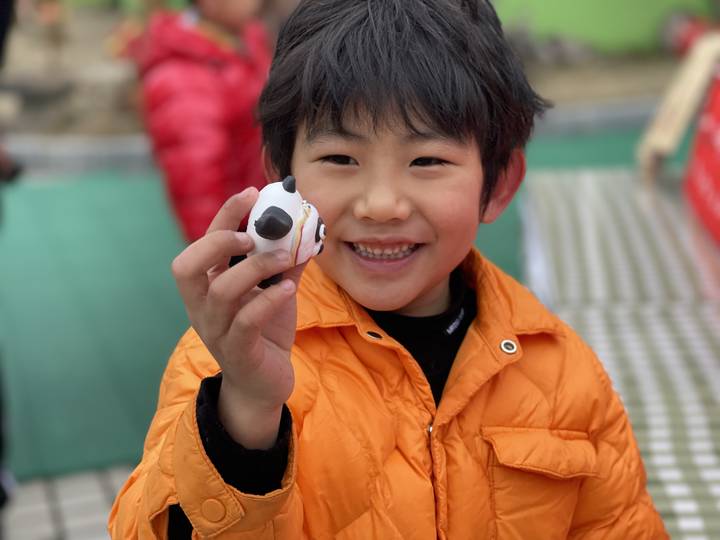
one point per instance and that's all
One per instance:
(202, 72)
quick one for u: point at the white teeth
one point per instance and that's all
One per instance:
(397, 252)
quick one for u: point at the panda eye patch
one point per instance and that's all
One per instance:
(338, 159)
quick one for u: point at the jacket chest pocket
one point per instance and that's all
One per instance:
(535, 477)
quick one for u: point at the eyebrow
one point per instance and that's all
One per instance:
(319, 134)
(425, 136)
(322, 133)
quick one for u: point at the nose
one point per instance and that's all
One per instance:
(382, 201)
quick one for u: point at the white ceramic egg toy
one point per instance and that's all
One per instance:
(282, 220)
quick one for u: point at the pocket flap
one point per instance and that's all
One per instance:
(556, 453)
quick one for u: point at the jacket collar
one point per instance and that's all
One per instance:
(506, 308)
(321, 302)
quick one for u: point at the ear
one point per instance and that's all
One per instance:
(271, 173)
(508, 183)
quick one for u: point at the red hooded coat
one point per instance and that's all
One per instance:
(199, 98)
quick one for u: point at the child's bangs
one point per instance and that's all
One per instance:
(386, 111)
(392, 76)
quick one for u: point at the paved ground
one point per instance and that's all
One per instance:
(72, 507)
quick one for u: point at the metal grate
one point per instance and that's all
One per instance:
(630, 271)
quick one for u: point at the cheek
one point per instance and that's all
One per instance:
(326, 195)
(329, 211)
(455, 212)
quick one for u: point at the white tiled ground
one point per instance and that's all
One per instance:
(632, 272)
(73, 507)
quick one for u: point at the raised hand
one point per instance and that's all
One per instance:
(248, 331)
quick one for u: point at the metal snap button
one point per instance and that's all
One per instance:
(508, 346)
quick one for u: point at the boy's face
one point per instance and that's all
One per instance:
(231, 14)
(401, 210)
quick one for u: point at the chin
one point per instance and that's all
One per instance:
(376, 301)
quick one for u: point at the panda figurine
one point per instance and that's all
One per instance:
(282, 220)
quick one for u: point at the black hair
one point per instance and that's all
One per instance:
(443, 63)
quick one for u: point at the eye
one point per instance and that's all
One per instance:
(428, 162)
(339, 159)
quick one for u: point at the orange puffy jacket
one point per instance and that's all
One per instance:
(526, 444)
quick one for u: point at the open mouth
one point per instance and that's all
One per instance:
(384, 253)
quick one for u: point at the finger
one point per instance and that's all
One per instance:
(296, 272)
(228, 289)
(247, 274)
(234, 210)
(252, 318)
(190, 268)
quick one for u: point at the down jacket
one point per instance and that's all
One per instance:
(199, 100)
(531, 444)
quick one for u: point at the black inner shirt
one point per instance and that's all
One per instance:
(434, 341)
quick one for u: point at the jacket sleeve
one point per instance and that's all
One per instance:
(176, 470)
(185, 118)
(614, 504)
(256, 472)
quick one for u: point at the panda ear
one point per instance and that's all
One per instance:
(273, 224)
(289, 184)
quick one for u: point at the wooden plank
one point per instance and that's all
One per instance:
(679, 106)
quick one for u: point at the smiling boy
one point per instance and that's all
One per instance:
(404, 388)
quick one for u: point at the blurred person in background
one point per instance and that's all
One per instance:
(51, 15)
(9, 169)
(202, 71)
(7, 14)
(151, 6)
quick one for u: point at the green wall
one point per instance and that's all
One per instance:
(607, 25)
